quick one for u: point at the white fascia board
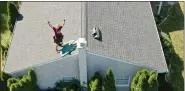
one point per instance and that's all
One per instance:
(126, 62)
(43, 63)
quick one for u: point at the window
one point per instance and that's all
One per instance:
(122, 81)
(68, 79)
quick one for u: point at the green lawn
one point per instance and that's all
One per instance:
(174, 27)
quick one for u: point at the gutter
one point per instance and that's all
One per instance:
(166, 71)
(41, 64)
(125, 61)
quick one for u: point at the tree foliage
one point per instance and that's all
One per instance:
(3, 80)
(32, 76)
(11, 81)
(96, 82)
(145, 81)
(73, 85)
(95, 85)
(109, 81)
(26, 83)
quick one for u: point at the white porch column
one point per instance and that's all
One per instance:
(81, 45)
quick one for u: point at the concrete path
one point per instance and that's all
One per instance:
(32, 41)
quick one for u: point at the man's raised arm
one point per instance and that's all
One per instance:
(63, 22)
(50, 24)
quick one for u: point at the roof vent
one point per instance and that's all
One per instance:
(96, 33)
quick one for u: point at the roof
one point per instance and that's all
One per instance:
(128, 33)
(32, 41)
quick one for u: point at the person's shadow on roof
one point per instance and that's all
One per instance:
(19, 17)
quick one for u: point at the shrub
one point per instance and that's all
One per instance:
(58, 85)
(109, 81)
(16, 4)
(32, 76)
(135, 81)
(10, 81)
(96, 76)
(73, 85)
(3, 80)
(13, 8)
(92, 83)
(142, 83)
(95, 85)
(13, 87)
(153, 83)
(153, 72)
(50, 89)
(26, 83)
(4, 76)
(145, 81)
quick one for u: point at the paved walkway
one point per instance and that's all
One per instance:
(32, 41)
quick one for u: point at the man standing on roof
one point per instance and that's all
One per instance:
(58, 37)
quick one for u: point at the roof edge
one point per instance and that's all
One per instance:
(42, 63)
(158, 71)
(159, 39)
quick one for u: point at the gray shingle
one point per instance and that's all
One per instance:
(32, 41)
(128, 33)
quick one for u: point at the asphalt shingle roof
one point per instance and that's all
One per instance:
(32, 41)
(128, 33)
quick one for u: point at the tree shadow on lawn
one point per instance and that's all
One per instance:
(175, 65)
(175, 71)
(176, 80)
(175, 21)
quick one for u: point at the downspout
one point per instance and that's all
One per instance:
(159, 10)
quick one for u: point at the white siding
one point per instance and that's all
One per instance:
(49, 73)
(101, 64)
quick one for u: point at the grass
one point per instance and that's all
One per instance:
(177, 41)
(174, 26)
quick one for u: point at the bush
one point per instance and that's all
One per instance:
(109, 81)
(13, 8)
(95, 85)
(145, 81)
(8, 14)
(73, 85)
(3, 80)
(92, 83)
(26, 83)
(10, 81)
(153, 72)
(142, 84)
(153, 83)
(50, 89)
(16, 4)
(58, 86)
(32, 76)
(96, 76)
